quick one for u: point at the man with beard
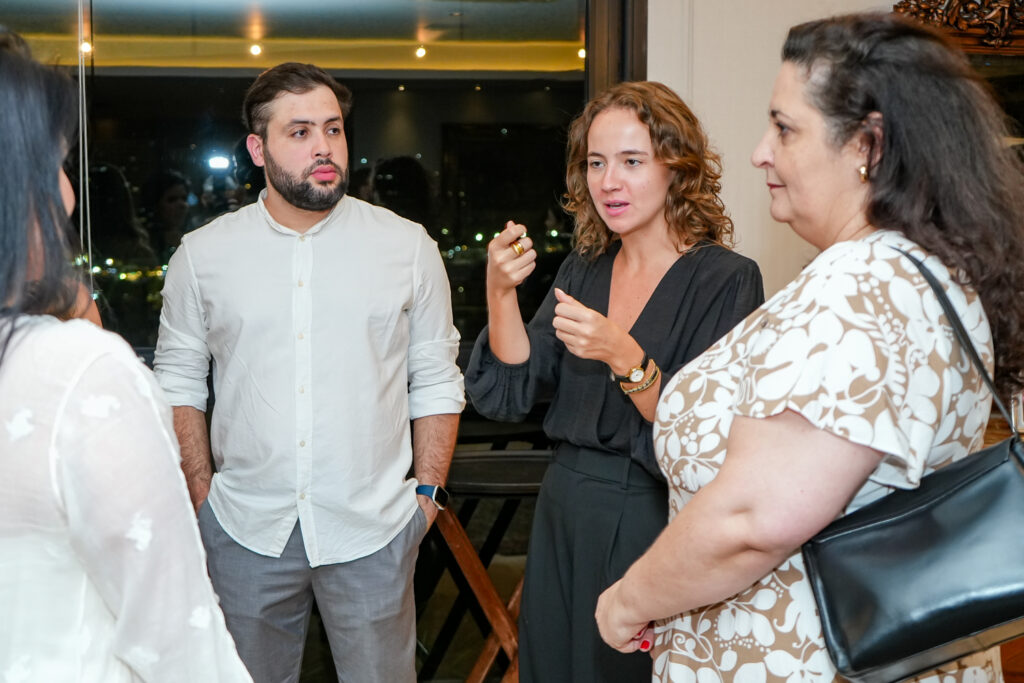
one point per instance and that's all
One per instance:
(329, 325)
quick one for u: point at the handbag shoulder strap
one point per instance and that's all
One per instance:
(959, 331)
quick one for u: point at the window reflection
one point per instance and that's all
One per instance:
(459, 152)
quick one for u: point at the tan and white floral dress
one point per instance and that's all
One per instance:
(858, 346)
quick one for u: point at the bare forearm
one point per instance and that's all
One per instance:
(694, 564)
(781, 482)
(506, 331)
(194, 440)
(433, 442)
(646, 401)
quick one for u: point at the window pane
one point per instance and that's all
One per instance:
(460, 139)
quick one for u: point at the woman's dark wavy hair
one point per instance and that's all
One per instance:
(692, 206)
(37, 125)
(940, 170)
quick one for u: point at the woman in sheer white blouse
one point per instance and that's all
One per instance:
(102, 573)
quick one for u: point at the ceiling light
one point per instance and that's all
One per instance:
(421, 52)
(582, 53)
(85, 47)
(401, 88)
(255, 50)
(477, 88)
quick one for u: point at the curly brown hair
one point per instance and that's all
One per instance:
(692, 206)
(941, 172)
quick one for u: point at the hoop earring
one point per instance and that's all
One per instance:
(863, 170)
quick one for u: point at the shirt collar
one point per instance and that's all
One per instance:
(317, 227)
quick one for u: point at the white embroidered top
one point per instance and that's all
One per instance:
(102, 572)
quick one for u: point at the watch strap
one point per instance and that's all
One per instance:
(437, 494)
(625, 378)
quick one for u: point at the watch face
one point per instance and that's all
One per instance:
(441, 497)
(636, 374)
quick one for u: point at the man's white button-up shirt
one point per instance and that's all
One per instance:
(324, 346)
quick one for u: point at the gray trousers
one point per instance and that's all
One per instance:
(366, 605)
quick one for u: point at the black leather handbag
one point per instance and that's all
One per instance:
(925, 576)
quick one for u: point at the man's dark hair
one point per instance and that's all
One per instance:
(290, 77)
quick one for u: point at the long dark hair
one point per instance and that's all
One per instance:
(692, 206)
(941, 172)
(37, 124)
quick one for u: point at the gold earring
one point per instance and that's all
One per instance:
(863, 170)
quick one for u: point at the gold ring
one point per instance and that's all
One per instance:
(518, 248)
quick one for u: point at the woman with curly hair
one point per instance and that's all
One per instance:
(650, 284)
(848, 384)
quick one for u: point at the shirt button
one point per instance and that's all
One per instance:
(302, 390)
(302, 443)
(300, 283)
(302, 238)
(301, 336)
(302, 496)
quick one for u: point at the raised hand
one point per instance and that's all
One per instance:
(587, 333)
(510, 258)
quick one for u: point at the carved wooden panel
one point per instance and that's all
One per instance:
(983, 26)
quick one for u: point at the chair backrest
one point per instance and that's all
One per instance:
(501, 473)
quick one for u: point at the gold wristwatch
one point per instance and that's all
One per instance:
(635, 374)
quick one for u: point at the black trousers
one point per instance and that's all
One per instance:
(596, 514)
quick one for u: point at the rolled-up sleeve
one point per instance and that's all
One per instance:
(435, 382)
(182, 359)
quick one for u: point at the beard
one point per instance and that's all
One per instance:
(302, 192)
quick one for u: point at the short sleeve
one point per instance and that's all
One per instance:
(117, 476)
(860, 349)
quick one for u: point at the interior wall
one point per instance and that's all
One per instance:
(722, 58)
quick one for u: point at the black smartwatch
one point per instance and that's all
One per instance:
(437, 494)
(635, 374)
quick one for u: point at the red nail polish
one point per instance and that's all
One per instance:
(645, 645)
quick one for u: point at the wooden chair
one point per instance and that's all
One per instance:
(510, 475)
